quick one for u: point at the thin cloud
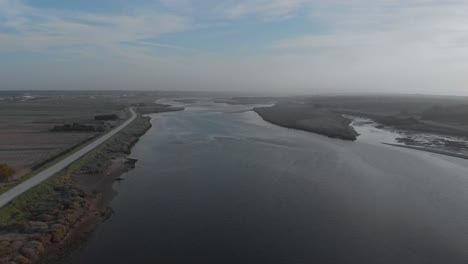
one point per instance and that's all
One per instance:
(177, 5)
(268, 8)
(36, 29)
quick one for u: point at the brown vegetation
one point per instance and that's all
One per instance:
(157, 108)
(76, 128)
(106, 117)
(6, 172)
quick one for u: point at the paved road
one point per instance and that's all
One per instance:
(23, 187)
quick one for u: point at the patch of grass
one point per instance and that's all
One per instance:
(64, 153)
(51, 161)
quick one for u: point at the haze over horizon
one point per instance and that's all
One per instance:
(297, 46)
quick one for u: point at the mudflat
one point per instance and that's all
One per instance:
(441, 120)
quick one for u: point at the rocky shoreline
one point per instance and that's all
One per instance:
(46, 223)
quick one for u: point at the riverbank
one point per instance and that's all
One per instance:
(308, 118)
(45, 223)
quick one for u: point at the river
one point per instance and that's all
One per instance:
(217, 184)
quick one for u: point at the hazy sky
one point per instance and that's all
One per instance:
(410, 46)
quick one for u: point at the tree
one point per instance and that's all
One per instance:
(5, 172)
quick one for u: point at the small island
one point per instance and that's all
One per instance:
(309, 118)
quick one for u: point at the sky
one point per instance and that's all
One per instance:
(281, 46)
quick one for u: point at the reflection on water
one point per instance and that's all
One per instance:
(214, 186)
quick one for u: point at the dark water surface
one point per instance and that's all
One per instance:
(213, 186)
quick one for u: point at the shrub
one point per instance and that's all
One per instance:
(5, 172)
